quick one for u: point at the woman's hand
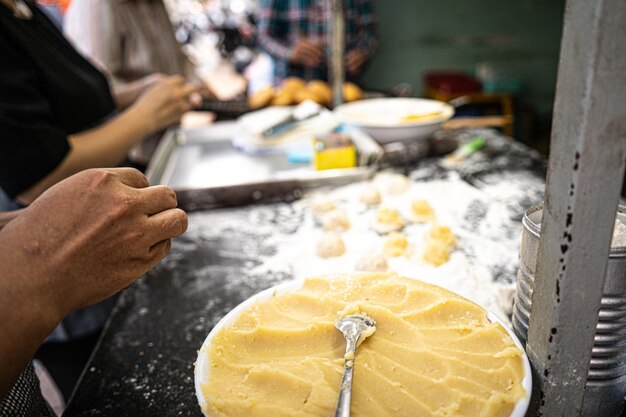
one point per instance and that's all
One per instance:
(164, 104)
(306, 53)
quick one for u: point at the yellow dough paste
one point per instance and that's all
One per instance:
(387, 220)
(396, 244)
(443, 234)
(422, 212)
(439, 244)
(436, 252)
(434, 353)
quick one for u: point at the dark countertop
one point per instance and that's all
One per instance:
(143, 364)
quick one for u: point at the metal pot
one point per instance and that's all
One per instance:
(606, 381)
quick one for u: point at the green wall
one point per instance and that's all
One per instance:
(519, 37)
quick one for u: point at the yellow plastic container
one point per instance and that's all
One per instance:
(333, 157)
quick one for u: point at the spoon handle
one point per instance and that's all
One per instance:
(345, 392)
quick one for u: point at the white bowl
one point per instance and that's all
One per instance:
(395, 119)
(203, 366)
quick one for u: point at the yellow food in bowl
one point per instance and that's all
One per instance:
(419, 117)
(434, 353)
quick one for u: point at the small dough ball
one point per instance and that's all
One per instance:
(261, 98)
(322, 205)
(330, 245)
(374, 262)
(370, 195)
(321, 90)
(293, 84)
(422, 212)
(436, 252)
(442, 234)
(283, 98)
(352, 92)
(388, 220)
(393, 184)
(336, 221)
(396, 244)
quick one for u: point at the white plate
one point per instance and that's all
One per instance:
(385, 119)
(202, 368)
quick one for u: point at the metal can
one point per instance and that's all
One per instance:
(606, 380)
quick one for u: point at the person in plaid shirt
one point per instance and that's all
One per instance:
(295, 34)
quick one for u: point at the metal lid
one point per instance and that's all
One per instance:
(533, 216)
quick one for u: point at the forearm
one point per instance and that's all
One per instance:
(103, 146)
(28, 319)
(274, 47)
(267, 29)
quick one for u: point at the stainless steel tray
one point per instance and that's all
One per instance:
(207, 171)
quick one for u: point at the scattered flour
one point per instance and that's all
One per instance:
(483, 209)
(481, 268)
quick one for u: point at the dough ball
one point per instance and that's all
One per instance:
(321, 90)
(393, 184)
(336, 221)
(283, 98)
(442, 234)
(373, 262)
(396, 244)
(436, 252)
(322, 205)
(370, 195)
(351, 92)
(422, 212)
(388, 220)
(293, 84)
(261, 98)
(330, 245)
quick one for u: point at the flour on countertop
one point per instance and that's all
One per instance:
(481, 268)
(482, 201)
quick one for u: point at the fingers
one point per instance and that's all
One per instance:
(129, 176)
(354, 62)
(156, 199)
(166, 225)
(187, 90)
(174, 79)
(307, 53)
(312, 53)
(195, 100)
(158, 251)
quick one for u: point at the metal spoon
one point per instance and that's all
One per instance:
(353, 328)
